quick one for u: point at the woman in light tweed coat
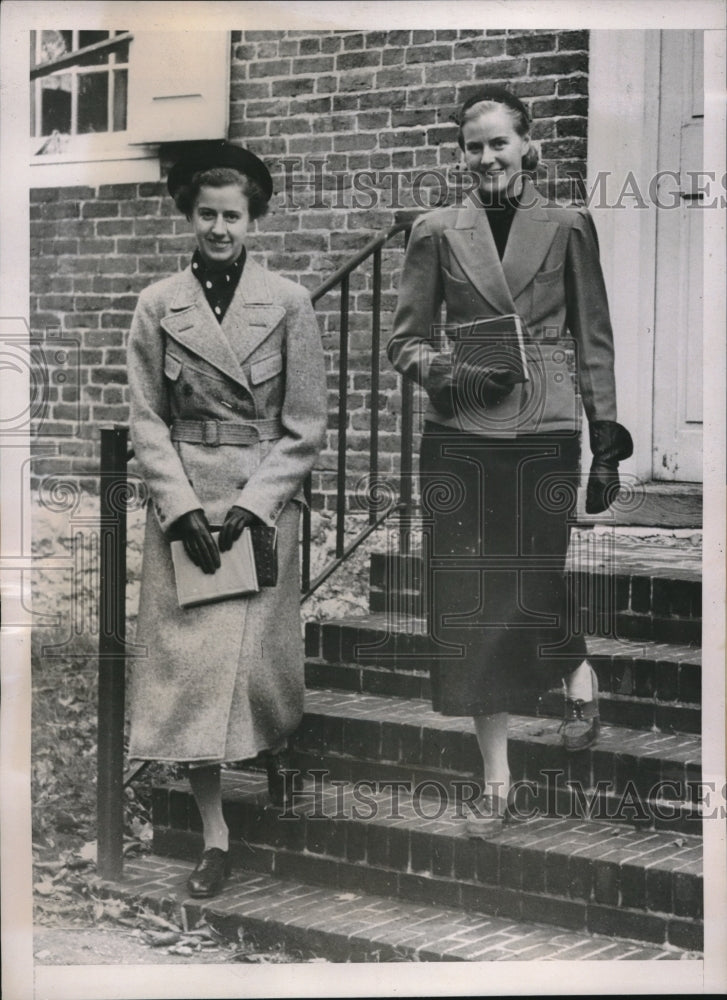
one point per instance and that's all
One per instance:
(228, 414)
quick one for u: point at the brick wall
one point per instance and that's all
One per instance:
(350, 101)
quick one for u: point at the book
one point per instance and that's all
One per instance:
(497, 342)
(236, 577)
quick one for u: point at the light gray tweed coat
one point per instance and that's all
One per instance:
(222, 681)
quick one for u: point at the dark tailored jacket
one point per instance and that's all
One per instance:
(550, 276)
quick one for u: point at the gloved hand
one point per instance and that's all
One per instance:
(194, 531)
(454, 387)
(236, 520)
(610, 444)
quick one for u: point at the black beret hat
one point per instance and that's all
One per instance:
(497, 94)
(219, 153)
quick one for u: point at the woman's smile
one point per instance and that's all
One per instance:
(220, 219)
(494, 151)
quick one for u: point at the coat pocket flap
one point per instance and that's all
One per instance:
(172, 367)
(265, 368)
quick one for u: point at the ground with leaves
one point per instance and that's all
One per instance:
(74, 923)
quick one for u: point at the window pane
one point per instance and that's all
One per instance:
(93, 98)
(54, 44)
(33, 97)
(90, 38)
(122, 53)
(120, 88)
(56, 104)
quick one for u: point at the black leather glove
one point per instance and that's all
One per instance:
(610, 444)
(236, 520)
(453, 388)
(194, 531)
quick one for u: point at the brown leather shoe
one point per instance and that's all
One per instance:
(581, 721)
(207, 878)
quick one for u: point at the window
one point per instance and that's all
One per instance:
(85, 94)
(102, 102)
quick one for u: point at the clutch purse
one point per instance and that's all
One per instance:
(265, 550)
(236, 576)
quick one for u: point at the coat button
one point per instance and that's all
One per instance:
(187, 389)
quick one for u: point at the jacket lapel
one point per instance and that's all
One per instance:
(500, 282)
(191, 323)
(251, 316)
(472, 244)
(530, 237)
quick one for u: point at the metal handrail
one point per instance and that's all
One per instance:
(115, 455)
(358, 258)
(402, 506)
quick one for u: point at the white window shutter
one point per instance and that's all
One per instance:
(178, 86)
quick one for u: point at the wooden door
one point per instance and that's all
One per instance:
(678, 328)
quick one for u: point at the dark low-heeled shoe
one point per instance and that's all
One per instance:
(207, 878)
(492, 809)
(581, 723)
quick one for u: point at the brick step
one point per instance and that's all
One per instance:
(585, 876)
(612, 552)
(661, 603)
(646, 668)
(368, 737)
(381, 654)
(636, 713)
(344, 926)
(391, 654)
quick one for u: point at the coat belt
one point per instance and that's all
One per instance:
(216, 432)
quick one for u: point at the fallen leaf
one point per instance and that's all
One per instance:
(152, 918)
(180, 949)
(45, 888)
(88, 851)
(161, 939)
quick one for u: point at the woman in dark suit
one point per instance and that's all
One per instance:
(228, 414)
(500, 450)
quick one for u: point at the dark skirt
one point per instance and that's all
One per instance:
(497, 515)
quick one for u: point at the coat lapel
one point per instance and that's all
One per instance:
(473, 246)
(500, 282)
(251, 315)
(191, 323)
(530, 237)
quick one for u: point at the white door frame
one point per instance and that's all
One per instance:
(623, 132)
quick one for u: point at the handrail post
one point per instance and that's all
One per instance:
(407, 452)
(375, 349)
(111, 654)
(306, 542)
(407, 464)
(342, 421)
